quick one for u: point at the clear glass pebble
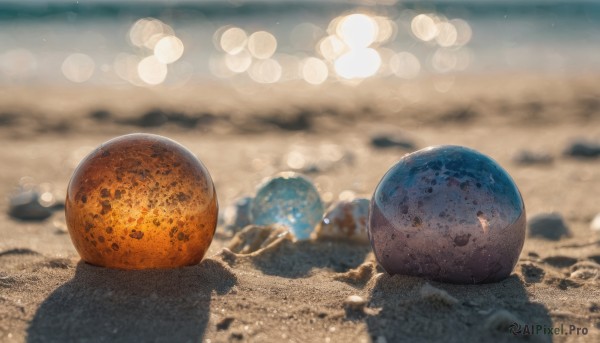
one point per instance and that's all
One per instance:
(291, 200)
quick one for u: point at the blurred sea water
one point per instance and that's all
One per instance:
(148, 43)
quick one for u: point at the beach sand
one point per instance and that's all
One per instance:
(297, 291)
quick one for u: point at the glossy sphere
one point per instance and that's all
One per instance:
(447, 213)
(291, 200)
(141, 201)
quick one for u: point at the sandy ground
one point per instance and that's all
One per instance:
(295, 291)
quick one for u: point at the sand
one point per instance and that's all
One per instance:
(297, 291)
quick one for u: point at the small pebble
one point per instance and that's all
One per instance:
(428, 292)
(346, 220)
(583, 149)
(355, 303)
(225, 323)
(354, 306)
(549, 226)
(238, 336)
(595, 224)
(526, 157)
(100, 115)
(533, 254)
(26, 205)
(383, 141)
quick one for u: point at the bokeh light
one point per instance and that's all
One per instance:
(405, 65)
(463, 31)
(386, 29)
(386, 55)
(168, 49)
(218, 67)
(146, 32)
(239, 62)
(18, 63)
(78, 67)
(331, 47)
(152, 71)
(358, 30)
(265, 71)
(295, 160)
(125, 66)
(262, 44)
(351, 46)
(424, 27)
(358, 64)
(233, 40)
(447, 34)
(314, 71)
(444, 60)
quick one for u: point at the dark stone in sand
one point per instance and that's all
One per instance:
(100, 115)
(153, 118)
(7, 119)
(549, 226)
(182, 119)
(459, 115)
(225, 323)
(533, 254)
(583, 149)
(383, 141)
(157, 117)
(301, 121)
(526, 157)
(209, 118)
(19, 251)
(26, 206)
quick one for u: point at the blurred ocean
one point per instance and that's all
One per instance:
(176, 42)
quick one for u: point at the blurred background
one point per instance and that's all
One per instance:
(182, 42)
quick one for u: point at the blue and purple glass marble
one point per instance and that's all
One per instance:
(288, 199)
(447, 213)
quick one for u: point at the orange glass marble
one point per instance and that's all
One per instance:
(141, 201)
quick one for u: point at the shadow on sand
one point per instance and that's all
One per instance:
(107, 305)
(482, 313)
(297, 259)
